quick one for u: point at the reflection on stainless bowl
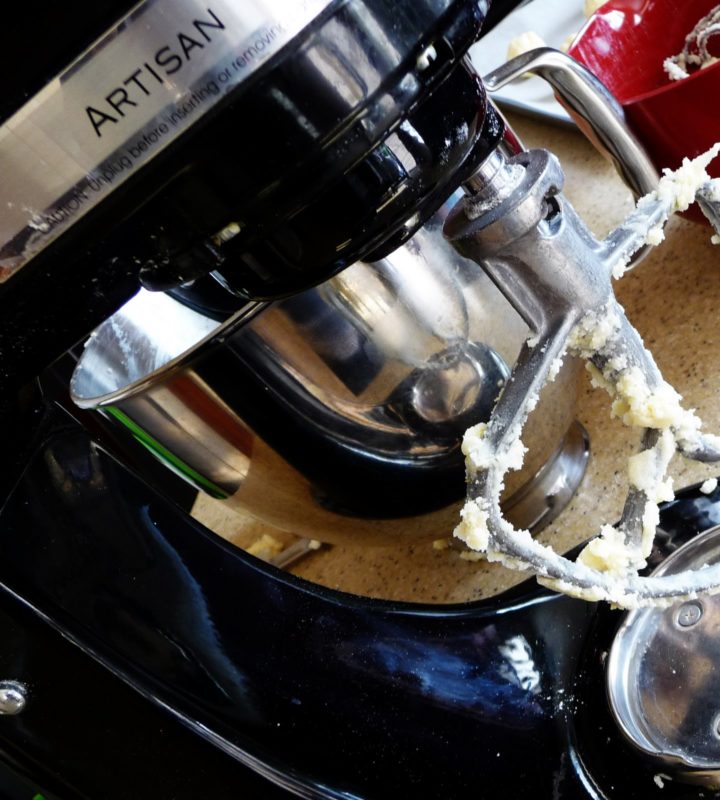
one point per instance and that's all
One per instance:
(337, 412)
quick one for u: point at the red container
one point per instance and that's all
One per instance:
(625, 44)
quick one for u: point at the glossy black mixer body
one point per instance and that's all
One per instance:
(323, 693)
(106, 580)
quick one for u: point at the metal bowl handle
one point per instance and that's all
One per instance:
(598, 113)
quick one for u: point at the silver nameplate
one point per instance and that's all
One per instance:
(135, 90)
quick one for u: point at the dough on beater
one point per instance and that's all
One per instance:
(607, 552)
(677, 188)
(695, 54)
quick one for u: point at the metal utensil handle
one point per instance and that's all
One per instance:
(589, 99)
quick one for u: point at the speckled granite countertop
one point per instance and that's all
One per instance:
(672, 298)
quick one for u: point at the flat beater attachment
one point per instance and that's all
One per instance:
(517, 225)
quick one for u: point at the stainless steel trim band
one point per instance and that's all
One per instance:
(129, 96)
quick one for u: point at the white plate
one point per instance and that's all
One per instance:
(553, 21)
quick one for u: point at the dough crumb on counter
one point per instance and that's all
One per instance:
(709, 486)
(523, 44)
(660, 779)
(591, 6)
(266, 547)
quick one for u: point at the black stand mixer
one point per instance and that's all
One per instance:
(254, 169)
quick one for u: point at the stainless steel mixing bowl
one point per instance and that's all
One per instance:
(337, 412)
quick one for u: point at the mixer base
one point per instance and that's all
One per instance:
(305, 685)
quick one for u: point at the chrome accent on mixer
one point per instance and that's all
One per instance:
(689, 614)
(13, 697)
(494, 180)
(662, 679)
(120, 103)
